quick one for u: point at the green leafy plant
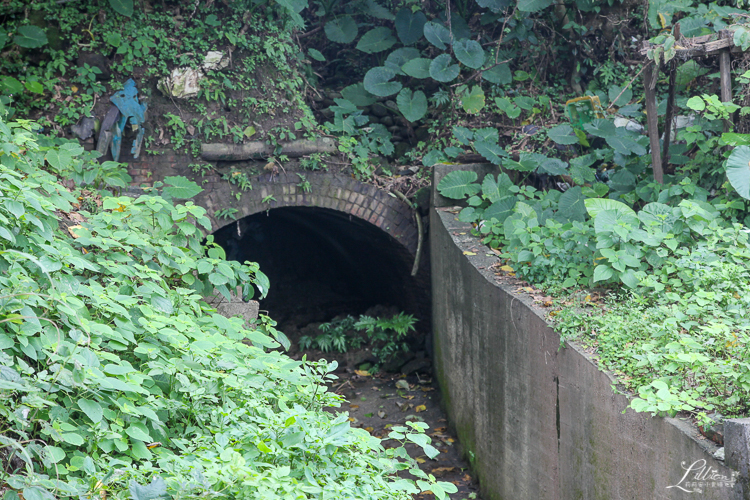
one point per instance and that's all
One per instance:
(118, 379)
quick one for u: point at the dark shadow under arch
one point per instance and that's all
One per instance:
(323, 262)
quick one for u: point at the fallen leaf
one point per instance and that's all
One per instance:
(420, 408)
(427, 389)
(440, 471)
(369, 429)
(528, 289)
(362, 373)
(407, 397)
(507, 269)
(353, 407)
(382, 414)
(402, 384)
(421, 460)
(71, 230)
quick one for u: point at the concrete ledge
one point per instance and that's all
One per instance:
(540, 422)
(235, 307)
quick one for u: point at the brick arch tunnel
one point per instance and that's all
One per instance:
(341, 248)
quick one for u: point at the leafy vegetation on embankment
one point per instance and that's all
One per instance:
(675, 275)
(116, 378)
(578, 204)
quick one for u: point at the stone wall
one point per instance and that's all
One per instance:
(538, 421)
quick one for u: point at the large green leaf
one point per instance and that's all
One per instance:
(124, 7)
(571, 204)
(473, 101)
(413, 105)
(181, 187)
(500, 209)
(376, 40)
(492, 152)
(596, 205)
(459, 184)
(443, 69)
(438, 35)
(499, 75)
(553, 166)
(602, 272)
(659, 215)
(533, 5)
(601, 128)
(399, 57)
(156, 489)
(463, 135)
(92, 409)
(625, 145)
(418, 68)
(563, 134)
(378, 81)
(738, 170)
(410, 25)
(526, 162)
(580, 169)
(494, 5)
(469, 52)
(625, 95)
(496, 190)
(341, 30)
(10, 85)
(357, 95)
(30, 37)
(378, 11)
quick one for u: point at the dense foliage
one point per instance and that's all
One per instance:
(385, 336)
(117, 379)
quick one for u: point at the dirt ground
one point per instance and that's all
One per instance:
(376, 403)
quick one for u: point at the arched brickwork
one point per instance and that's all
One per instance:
(337, 192)
(332, 191)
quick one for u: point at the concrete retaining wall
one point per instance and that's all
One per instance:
(539, 422)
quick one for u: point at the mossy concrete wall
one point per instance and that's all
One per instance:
(537, 421)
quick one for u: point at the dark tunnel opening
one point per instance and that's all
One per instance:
(323, 263)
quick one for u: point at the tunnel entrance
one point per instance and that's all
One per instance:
(323, 263)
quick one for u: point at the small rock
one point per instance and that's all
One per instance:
(96, 60)
(215, 60)
(719, 455)
(85, 128)
(379, 110)
(391, 105)
(387, 121)
(529, 129)
(400, 149)
(416, 365)
(629, 125)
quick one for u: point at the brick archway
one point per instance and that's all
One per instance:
(332, 191)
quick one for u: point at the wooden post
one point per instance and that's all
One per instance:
(725, 66)
(653, 121)
(670, 103)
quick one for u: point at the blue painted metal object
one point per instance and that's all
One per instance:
(131, 111)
